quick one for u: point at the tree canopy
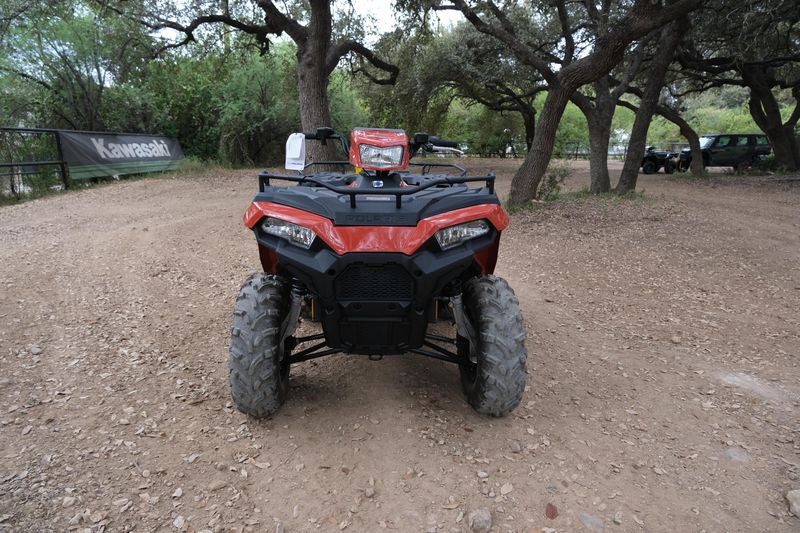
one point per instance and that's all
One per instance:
(232, 78)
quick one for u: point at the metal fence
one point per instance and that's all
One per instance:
(31, 160)
(34, 160)
(576, 150)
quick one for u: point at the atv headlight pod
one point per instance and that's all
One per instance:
(295, 234)
(455, 235)
(374, 156)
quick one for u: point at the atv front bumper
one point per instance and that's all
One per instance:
(377, 303)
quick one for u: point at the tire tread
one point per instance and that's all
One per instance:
(258, 383)
(502, 373)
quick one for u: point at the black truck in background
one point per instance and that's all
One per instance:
(737, 150)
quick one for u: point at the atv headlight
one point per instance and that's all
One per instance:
(293, 233)
(455, 235)
(373, 156)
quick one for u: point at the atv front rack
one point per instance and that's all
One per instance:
(398, 192)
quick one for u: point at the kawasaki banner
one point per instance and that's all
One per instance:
(94, 155)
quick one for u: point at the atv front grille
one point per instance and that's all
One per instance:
(375, 283)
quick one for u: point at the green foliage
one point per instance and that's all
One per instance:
(257, 106)
(550, 187)
(348, 109)
(485, 132)
(184, 100)
(69, 55)
(193, 165)
(584, 195)
(571, 129)
(68, 63)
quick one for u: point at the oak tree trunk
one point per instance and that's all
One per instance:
(599, 113)
(785, 147)
(599, 136)
(609, 51)
(526, 179)
(766, 113)
(529, 120)
(313, 74)
(686, 130)
(665, 51)
(692, 138)
(312, 84)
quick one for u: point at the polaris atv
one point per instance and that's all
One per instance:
(374, 256)
(654, 159)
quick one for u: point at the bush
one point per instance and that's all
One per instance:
(550, 187)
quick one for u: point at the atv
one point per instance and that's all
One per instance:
(375, 255)
(654, 159)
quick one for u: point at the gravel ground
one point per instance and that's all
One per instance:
(662, 395)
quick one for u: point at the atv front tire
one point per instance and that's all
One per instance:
(495, 378)
(259, 379)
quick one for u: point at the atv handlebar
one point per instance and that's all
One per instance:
(426, 167)
(397, 192)
(323, 134)
(420, 141)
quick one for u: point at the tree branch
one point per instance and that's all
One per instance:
(566, 32)
(27, 76)
(510, 39)
(279, 22)
(633, 69)
(338, 51)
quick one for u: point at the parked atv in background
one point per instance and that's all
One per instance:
(374, 255)
(654, 160)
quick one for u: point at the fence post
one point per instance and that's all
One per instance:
(62, 164)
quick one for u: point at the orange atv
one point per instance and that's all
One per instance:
(374, 256)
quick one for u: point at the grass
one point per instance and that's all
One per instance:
(581, 197)
(584, 195)
(42, 183)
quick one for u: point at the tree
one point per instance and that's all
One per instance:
(579, 62)
(72, 55)
(482, 71)
(684, 127)
(12, 11)
(757, 47)
(309, 24)
(665, 51)
(458, 63)
(598, 108)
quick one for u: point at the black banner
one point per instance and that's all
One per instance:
(92, 155)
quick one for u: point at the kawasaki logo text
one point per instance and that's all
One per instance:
(130, 150)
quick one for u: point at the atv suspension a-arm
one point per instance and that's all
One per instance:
(321, 349)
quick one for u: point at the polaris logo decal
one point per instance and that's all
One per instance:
(376, 219)
(377, 184)
(130, 150)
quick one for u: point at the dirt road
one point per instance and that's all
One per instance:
(663, 385)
